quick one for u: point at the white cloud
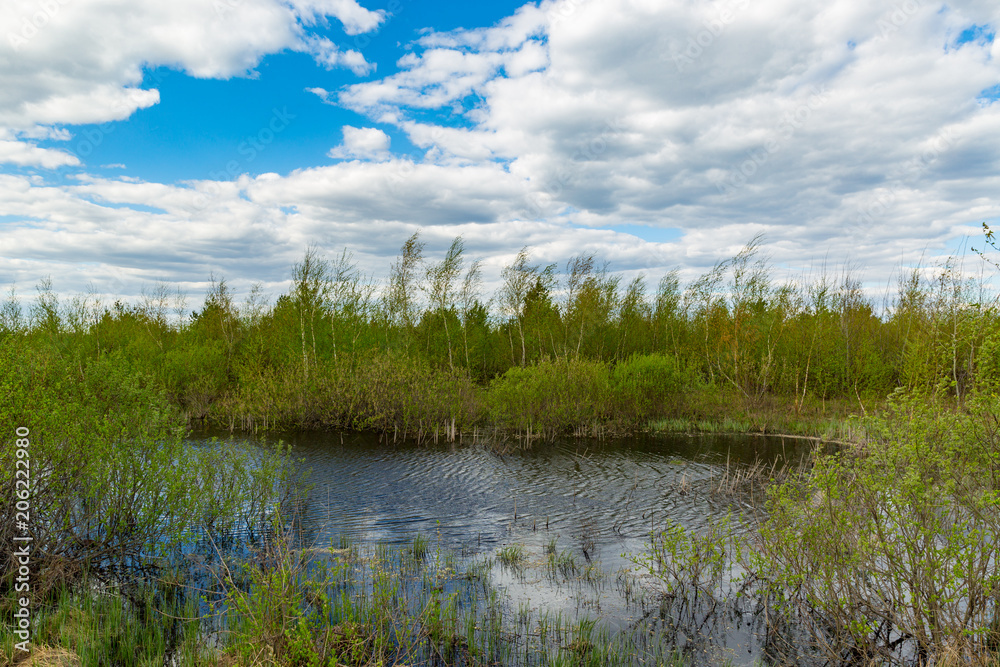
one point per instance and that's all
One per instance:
(397, 190)
(329, 56)
(434, 79)
(81, 61)
(682, 114)
(43, 132)
(837, 128)
(98, 104)
(362, 142)
(509, 33)
(27, 154)
(91, 232)
(321, 93)
(356, 19)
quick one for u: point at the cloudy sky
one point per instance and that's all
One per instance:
(145, 141)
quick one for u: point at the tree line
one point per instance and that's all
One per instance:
(340, 349)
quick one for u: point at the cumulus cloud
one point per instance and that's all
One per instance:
(327, 54)
(122, 236)
(397, 190)
(81, 61)
(27, 154)
(848, 120)
(15, 150)
(362, 142)
(835, 128)
(355, 18)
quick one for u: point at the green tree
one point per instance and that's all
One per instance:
(440, 286)
(400, 298)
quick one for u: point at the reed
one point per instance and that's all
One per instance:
(511, 556)
(92, 626)
(379, 610)
(562, 564)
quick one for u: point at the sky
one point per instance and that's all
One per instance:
(144, 142)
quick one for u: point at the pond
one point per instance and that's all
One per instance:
(592, 502)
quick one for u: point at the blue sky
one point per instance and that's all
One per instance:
(145, 142)
(200, 125)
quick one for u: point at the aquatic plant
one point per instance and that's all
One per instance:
(511, 556)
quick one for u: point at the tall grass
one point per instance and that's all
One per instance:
(387, 606)
(352, 605)
(90, 626)
(388, 392)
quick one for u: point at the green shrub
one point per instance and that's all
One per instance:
(114, 486)
(551, 397)
(383, 391)
(895, 538)
(643, 384)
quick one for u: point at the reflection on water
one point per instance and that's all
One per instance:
(592, 501)
(607, 492)
(598, 496)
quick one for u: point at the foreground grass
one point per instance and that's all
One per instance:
(88, 626)
(333, 606)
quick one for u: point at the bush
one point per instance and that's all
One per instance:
(552, 397)
(894, 541)
(383, 391)
(114, 486)
(643, 384)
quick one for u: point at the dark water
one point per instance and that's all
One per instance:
(607, 492)
(596, 500)
(599, 495)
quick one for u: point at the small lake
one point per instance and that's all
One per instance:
(596, 500)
